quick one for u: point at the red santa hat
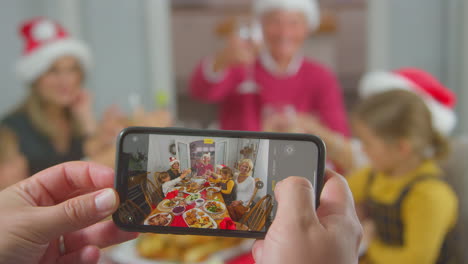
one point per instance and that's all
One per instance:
(220, 166)
(173, 160)
(44, 42)
(438, 98)
(309, 7)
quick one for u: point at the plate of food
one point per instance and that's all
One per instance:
(214, 207)
(169, 203)
(192, 198)
(213, 189)
(196, 218)
(193, 188)
(159, 219)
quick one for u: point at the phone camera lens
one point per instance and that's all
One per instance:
(289, 150)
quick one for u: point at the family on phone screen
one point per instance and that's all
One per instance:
(237, 188)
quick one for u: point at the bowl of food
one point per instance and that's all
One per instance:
(192, 198)
(214, 207)
(199, 202)
(178, 210)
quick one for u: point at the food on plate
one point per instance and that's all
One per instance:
(161, 219)
(193, 188)
(169, 203)
(185, 249)
(213, 189)
(196, 218)
(178, 210)
(214, 207)
(192, 197)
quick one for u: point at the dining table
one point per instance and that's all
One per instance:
(179, 194)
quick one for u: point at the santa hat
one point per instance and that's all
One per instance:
(44, 42)
(438, 98)
(220, 166)
(206, 155)
(173, 160)
(309, 7)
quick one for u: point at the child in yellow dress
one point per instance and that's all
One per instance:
(406, 207)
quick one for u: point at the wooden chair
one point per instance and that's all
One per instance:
(255, 219)
(130, 213)
(153, 193)
(258, 185)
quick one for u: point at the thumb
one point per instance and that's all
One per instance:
(76, 213)
(296, 202)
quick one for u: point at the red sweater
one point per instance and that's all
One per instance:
(312, 89)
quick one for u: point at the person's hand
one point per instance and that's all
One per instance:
(67, 200)
(299, 234)
(182, 176)
(82, 110)
(236, 51)
(161, 118)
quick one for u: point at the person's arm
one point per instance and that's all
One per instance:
(301, 234)
(329, 98)
(229, 187)
(212, 89)
(428, 213)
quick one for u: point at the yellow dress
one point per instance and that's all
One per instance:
(428, 212)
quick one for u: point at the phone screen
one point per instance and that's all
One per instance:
(221, 185)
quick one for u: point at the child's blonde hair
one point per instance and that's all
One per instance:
(163, 175)
(228, 171)
(400, 114)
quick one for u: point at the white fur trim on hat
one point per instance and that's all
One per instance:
(309, 7)
(33, 65)
(443, 118)
(173, 160)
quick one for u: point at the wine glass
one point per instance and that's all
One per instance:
(251, 32)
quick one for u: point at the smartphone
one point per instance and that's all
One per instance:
(208, 182)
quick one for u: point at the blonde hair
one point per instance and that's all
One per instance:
(400, 114)
(163, 175)
(249, 162)
(8, 143)
(228, 171)
(33, 106)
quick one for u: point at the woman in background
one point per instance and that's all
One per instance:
(174, 172)
(286, 84)
(55, 121)
(245, 186)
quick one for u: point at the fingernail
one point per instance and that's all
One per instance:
(106, 200)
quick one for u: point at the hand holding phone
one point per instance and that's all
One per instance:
(252, 164)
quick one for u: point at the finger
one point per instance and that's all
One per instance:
(61, 182)
(102, 235)
(86, 255)
(296, 202)
(257, 251)
(336, 198)
(74, 214)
